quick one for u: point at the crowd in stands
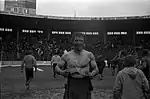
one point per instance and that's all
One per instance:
(43, 49)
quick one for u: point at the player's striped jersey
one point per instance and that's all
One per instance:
(55, 59)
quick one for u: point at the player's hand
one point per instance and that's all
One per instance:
(84, 71)
(91, 75)
(35, 69)
(72, 70)
(64, 73)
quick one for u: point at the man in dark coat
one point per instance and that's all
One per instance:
(101, 65)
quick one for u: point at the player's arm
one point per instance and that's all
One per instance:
(35, 63)
(52, 60)
(60, 68)
(22, 64)
(59, 58)
(95, 70)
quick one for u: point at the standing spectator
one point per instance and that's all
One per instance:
(146, 63)
(120, 59)
(130, 82)
(101, 65)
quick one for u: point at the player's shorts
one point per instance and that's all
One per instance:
(54, 65)
(29, 73)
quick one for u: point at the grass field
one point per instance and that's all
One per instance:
(44, 86)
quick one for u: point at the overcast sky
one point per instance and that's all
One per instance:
(92, 7)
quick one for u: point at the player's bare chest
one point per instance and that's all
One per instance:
(78, 60)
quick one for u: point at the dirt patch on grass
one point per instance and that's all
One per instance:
(56, 93)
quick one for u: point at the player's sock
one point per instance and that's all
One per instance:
(27, 86)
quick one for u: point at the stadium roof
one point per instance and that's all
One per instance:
(77, 18)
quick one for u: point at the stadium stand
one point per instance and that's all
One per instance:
(21, 33)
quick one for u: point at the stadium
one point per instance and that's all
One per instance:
(46, 34)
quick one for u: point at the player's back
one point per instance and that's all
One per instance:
(56, 58)
(29, 61)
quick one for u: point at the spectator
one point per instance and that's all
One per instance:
(146, 63)
(130, 82)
